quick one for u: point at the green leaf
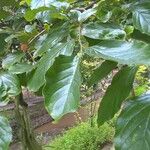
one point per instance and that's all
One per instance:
(2, 43)
(30, 28)
(102, 31)
(123, 52)
(21, 68)
(116, 93)
(137, 35)
(11, 59)
(10, 82)
(52, 39)
(86, 14)
(133, 125)
(23, 79)
(6, 133)
(101, 72)
(31, 14)
(37, 76)
(9, 86)
(41, 3)
(26, 1)
(47, 3)
(141, 17)
(62, 90)
(68, 47)
(104, 15)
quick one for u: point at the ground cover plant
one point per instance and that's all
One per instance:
(84, 137)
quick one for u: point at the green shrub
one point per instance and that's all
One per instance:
(142, 82)
(83, 137)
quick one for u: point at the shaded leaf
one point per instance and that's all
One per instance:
(134, 52)
(62, 90)
(133, 125)
(102, 71)
(116, 93)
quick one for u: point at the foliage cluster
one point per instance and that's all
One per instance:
(43, 45)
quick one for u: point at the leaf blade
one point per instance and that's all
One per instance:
(63, 78)
(102, 71)
(141, 17)
(102, 31)
(123, 52)
(132, 131)
(116, 93)
(5, 132)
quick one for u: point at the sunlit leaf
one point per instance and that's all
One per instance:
(62, 90)
(123, 52)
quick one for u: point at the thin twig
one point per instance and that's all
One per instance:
(36, 36)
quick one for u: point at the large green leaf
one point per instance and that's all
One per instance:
(62, 90)
(102, 71)
(11, 59)
(5, 133)
(37, 77)
(134, 52)
(116, 93)
(102, 31)
(52, 39)
(133, 125)
(141, 17)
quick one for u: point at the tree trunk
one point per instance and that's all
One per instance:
(26, 133)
